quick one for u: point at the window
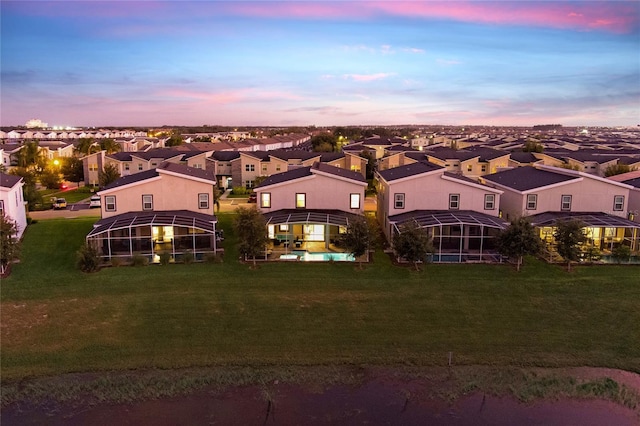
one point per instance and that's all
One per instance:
(249, 168)
(110, 203)
(197, 166)
(147, 202)
(355, 168)
(203, 201)
(93, 167)
(483, 168)
(301, 201)
(565, 203)
(532, 201)
(140, 167)
(249, 184)
(489, 201)
(126, 166)
(265, 199)
(469, 168)
(398, 201)
(618, 203)
(454, 201)
(264, 168)
(154, 164)
(355, 201)
(1, 207)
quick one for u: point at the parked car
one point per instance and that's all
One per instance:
(253, 197)
(94, 201)
(60, 204)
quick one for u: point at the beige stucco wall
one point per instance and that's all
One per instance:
(588, 195)
(322, 192)
(431, 192)
(169, 193)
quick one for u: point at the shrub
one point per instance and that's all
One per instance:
(88, 259)
(188, 257)
(239, 190)
(213, 258)
(139, 260)
(116, 261)
(165, 257)
(621, 253)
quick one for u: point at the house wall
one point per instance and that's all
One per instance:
(92, 165)
(13, 203)
(431, 192)
(169, 193)
(322, 192)
(587, 195)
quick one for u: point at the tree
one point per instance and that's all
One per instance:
(251, 230)
(621, 253)
(50, 179)
(108, 175)
(87, 258)
(532, 145)
(519, 239)
(617, 169)
(371, 163)
(72, 169)
(110, 146)
(175, 139)
(31, 157)
(9, 244)
(86, 146)
(412, 243)
(569, 236)
(322, 142)
(357, 238)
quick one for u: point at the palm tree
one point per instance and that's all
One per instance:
(31, 157)
(86, 146)
(110, 146)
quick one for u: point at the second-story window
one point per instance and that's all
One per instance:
(454, 201)
(264, 168)
(249, 168)
(126, 166)
(265, 199)
(110, 203)
(140, 167)
(618, 203)
(532, 201)
(301, 200)
(398, 201)
(203, 201)
(489, 201)
(565, 203)
(354, 201)
(147, 202)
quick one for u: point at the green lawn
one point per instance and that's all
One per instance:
(56, 319)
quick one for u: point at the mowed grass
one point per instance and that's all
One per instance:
(55, 319)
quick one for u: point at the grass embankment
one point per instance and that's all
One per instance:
(56, 319)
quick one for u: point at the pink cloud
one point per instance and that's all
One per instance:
(618, 17)
(229, 96)
(367, 77)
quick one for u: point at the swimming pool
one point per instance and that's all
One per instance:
(306, 256)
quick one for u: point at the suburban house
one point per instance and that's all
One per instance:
(460, 214)
(632, 179)
(166, 209)
(308, 207)
(547, 195)
(12, 203)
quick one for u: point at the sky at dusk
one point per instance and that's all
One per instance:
(298, 63)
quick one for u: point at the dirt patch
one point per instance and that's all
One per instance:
(379, 396)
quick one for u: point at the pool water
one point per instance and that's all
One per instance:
(306, 256)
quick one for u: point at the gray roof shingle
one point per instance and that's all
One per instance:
(527, 178)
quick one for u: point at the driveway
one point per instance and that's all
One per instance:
(73, 210)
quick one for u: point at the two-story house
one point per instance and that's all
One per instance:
(308, 207)
(166, 209)
(547, 195)
(460, 214)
